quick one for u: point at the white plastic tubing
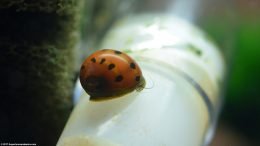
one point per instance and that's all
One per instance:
(184, 71)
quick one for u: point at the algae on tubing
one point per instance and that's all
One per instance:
(184, 70)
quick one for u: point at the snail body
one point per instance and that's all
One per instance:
(108, 73)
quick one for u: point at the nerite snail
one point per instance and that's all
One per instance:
(107, 74)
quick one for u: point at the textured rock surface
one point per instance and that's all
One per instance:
(37, 56)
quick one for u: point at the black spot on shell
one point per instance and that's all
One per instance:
(119, 78)
(137, 78)
(132, 65)
(111, 66)
(82, 67)
(93, 60)
(102, 60)
(118, 52)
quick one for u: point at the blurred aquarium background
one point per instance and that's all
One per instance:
(240, 116)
